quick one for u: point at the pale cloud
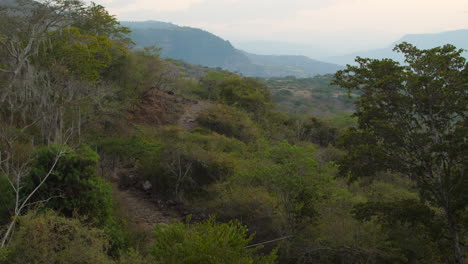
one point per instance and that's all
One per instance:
(387, 15)
(156, 6)
(357, 23)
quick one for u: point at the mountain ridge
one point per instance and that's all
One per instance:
(198, 46)
(458, 38)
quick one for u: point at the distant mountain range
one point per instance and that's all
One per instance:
(197, 46)
(293, 65)
(458, 38)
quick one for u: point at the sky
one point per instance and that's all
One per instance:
(324, 25)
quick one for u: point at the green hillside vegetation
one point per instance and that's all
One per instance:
(314, 96)
(290, 65)
(245, 182)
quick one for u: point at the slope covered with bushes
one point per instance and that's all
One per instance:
(84, 117)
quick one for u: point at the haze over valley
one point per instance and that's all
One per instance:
(268, 59)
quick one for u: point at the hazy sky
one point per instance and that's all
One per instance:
(344, 24)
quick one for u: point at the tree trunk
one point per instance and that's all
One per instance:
(7, 233)
(457, 249)
(459, 256)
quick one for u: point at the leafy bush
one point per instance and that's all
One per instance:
(133, 257)
(188, 161)
(49, 238)
(317, 131)
(124, 152)
(73, 184)
(279, 126)
(255, 206)
(411, 229)
(231, 122)
(246, 93)
(275, 193)
(206, 242)
(76, 189)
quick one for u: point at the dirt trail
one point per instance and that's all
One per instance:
(188, 119)
(142, 212)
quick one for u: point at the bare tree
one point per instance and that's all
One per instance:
(16, 167)
(53, 100)
(180, 168)
(25, 90)
(28, 96)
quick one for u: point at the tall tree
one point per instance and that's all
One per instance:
(412, 120)
(52, 58)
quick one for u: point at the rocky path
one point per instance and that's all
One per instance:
(188, 119)
(142, 212)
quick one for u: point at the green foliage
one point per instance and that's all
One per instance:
(241, 164)
(210, 82)
(337, 237)
(412, 120)
(343, 121)
(258, 208)
(188, 161)
(135, 147)
(279, 126)
(274, 192)
(6, 199)
(206, 242)
(317, 131)
(73, 179)
(188, 88)
(289, 172)
(133, 257)
(231, 89)
(231, 122)
(126, 152)
(246, 93)
(49, 238)
(74, 188)
(404, 211)
(310, 96)
(95, 20)
(412, 230)
(85, 56)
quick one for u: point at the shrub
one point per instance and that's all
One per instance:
(124, 152)
(317, 131)
(76, 189)
(256, 207)
(133, 257)
(246, 93)
(189, 161)
(49, 238)
(286, 187)
(231, 122)
(74, 184)
(206, 242)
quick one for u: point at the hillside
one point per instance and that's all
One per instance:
(115, 155)
(311, 96)
(293, 65)
(197, 46)
(192, 45)
(458, 38)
